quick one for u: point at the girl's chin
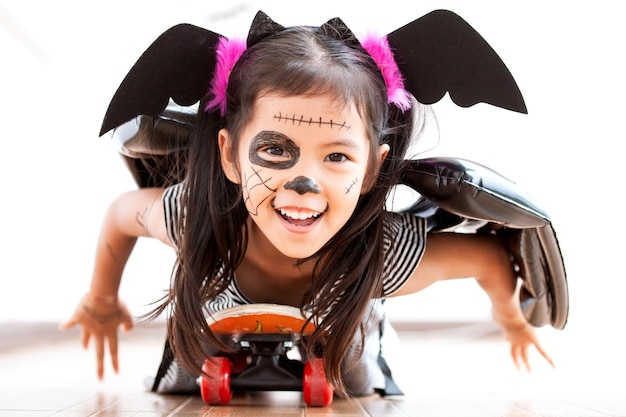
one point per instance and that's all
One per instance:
(296, 252)
(298, 248)
(295, 240)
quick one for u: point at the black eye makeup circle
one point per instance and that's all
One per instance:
(275, 141)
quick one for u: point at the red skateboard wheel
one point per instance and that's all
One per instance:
(315, 387)
(215, 382)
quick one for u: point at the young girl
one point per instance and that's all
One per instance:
(283, 202)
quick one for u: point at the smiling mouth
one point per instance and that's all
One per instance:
(300, 217)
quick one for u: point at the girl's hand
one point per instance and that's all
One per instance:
(521, 338)
(99, 318)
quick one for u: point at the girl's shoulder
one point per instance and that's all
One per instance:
(404, 222)
(172, 210)
(404, 245)
(172, 193)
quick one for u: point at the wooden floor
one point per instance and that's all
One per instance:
(447, 372)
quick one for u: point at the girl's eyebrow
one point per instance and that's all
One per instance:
(345, 143)
(310, 121)
(270, 134)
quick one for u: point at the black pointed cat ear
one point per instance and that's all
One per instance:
(440, 52)
(337, 29)
(262, 26)
(178, 65)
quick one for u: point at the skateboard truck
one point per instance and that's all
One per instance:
(267, 369)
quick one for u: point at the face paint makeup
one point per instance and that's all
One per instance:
(274, 150)
(301, 120)
(303, 185)
(352, 184)
(251, 182)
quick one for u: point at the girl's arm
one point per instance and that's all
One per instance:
(484, 257)
(100, 312)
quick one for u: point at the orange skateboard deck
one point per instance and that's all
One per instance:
(260, 319)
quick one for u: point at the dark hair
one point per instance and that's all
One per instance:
(299, 61)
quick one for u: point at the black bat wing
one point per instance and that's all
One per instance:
(440, 52)
(457, 192)
(179, 65)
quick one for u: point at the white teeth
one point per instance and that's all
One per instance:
(299, 215)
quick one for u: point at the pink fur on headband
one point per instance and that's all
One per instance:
(228, 53)
(378, 48)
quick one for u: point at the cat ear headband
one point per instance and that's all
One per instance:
(428, 57)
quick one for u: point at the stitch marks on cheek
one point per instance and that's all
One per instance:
(355, 180)
(251, 182)
(310, 121)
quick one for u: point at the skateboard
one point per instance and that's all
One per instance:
(262, 337)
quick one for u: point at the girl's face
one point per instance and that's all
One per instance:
(301, 164)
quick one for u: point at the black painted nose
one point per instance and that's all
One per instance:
(303, 185)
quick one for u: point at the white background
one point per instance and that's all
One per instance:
(62, 60)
